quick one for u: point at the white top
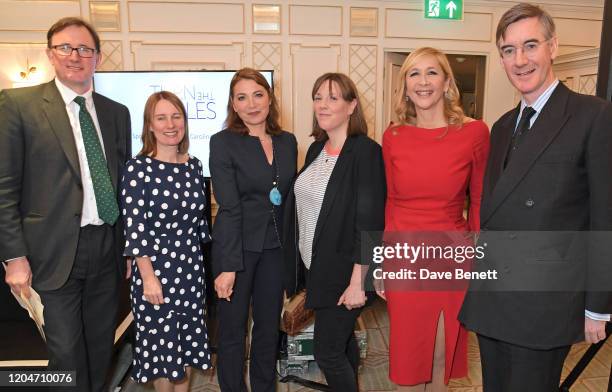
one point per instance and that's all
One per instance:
(538, 104)
(309, 191)
(89, 212)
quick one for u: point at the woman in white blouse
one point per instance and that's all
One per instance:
(338, 194)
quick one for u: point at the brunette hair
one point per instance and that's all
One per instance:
(149, 143)
(404, 107)
(523, 11)
(233, 122)
(73, 21)
(357, 123)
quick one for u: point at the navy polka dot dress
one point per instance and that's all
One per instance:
(163, 212)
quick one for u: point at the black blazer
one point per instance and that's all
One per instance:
(41, 194)
(241, 181)
(558, 181)
(354, 201)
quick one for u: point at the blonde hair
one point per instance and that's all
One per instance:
(404, 107)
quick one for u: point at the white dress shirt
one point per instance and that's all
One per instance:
(538, 104)
(89, 212)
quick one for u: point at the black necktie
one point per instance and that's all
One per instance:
(521, 131)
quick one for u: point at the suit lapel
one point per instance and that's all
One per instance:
(545, 129)
(108, 136)
(502, 146)
(55, 111)
(333, 185)
(500, 143)
(311, 155)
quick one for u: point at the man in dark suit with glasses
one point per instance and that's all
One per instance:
(62, 148)
(546, 218)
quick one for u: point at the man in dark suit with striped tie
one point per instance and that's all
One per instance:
(62, 148)
(546, 218)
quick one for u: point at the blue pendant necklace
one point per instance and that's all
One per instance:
(275, 195)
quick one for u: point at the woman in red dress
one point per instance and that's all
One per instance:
(434, 158)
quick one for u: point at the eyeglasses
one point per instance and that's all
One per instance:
(529, 48)
(66, 50)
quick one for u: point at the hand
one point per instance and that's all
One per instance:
(379, 286)
(153, 290)
(224, 284)
(353, 297)
(19, 276)
(128, 267)
(594, 330)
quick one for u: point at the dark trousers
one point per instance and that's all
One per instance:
(508, 368)
(80, 316)
(260, 283)
(335, 347)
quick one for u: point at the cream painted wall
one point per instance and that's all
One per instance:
(315, 37)
(578, 70)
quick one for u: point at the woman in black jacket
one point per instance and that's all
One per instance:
(252, 164)
(338, 194)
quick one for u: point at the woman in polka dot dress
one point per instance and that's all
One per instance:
(162, 197)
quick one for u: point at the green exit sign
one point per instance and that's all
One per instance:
(444, 9)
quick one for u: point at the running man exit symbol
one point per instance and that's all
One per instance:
(444, 9)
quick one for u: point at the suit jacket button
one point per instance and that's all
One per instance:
(529, 203)
(77, 214)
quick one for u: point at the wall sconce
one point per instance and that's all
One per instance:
(27, 77)
(28, 70)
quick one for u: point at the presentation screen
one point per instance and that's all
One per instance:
(204, 94)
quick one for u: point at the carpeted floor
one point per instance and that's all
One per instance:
(373, 376)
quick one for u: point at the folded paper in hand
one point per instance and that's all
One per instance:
(34, 307)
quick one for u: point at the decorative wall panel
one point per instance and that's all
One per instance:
(362, 69)
(268, 55)
(112, 56)
(315, 20)
(186, 17)
(19, 15)
(404, 23)
(104, 15)
(578, 32)
(307, 64)
(364, 22)
(578, 70)
(587, 84)
(266, 19)
(148, 56)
